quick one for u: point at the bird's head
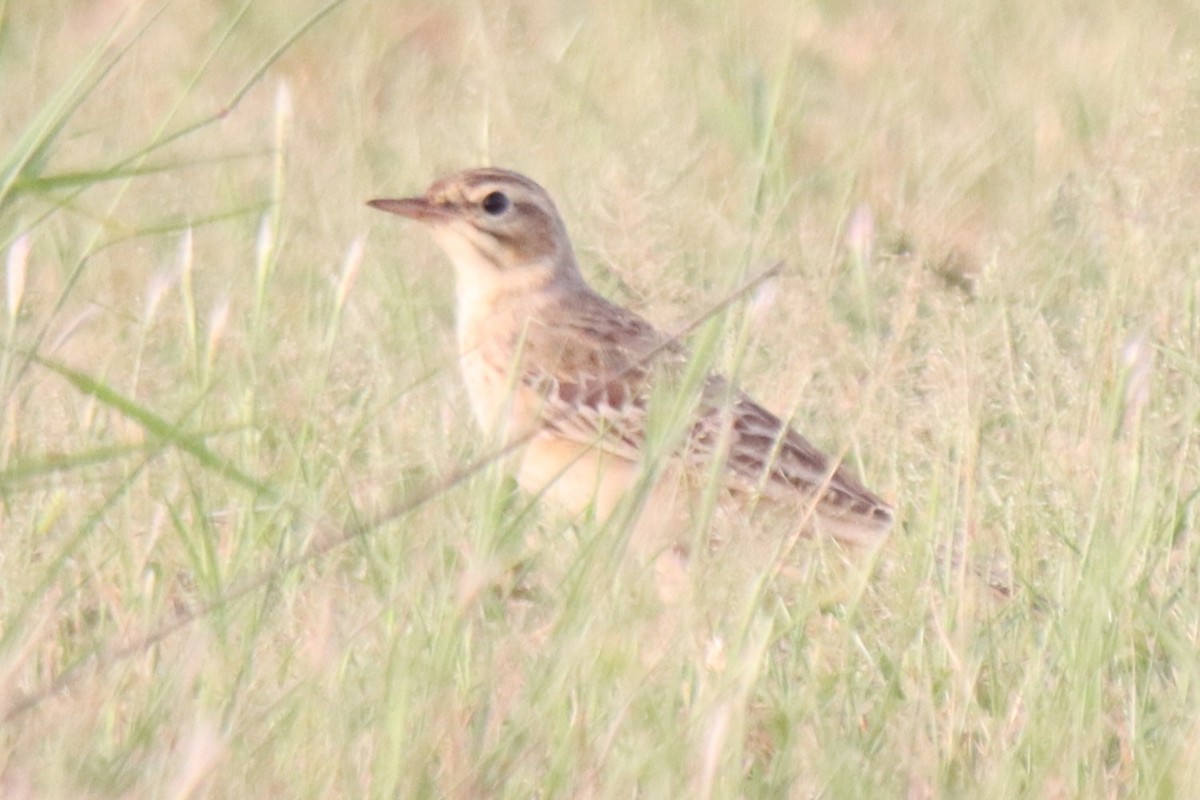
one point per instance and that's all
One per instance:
(494, 225)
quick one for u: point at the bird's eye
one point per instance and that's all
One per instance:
(495, 203)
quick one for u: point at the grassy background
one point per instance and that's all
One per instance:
(216, 359)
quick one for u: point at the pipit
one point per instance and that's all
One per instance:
(555, 368)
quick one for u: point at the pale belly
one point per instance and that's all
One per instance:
(587, 482)
(488, 391)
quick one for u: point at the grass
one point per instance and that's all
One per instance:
(241, 556)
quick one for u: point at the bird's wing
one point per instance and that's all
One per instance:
(595, 374)
(763, 455)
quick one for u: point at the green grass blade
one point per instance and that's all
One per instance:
(156, 426)
(24, 161)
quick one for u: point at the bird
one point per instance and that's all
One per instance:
(567, 377)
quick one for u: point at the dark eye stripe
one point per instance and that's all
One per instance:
(531, 236)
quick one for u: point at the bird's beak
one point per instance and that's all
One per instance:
(417, 208)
